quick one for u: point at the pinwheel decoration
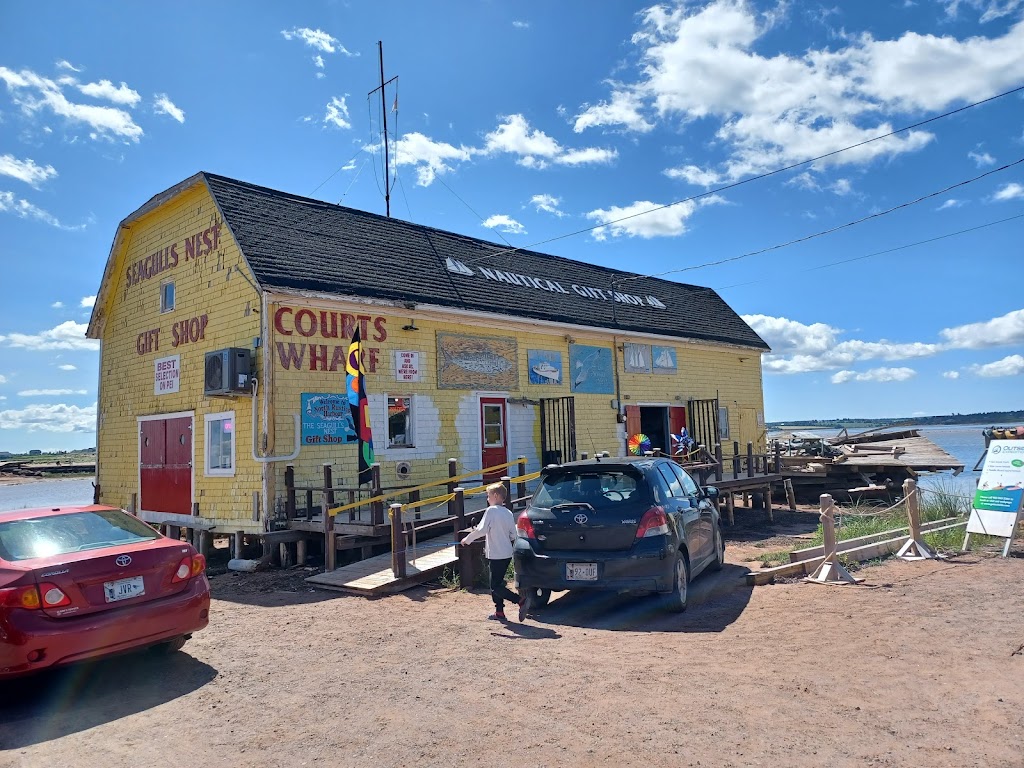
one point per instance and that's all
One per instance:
(639, 444)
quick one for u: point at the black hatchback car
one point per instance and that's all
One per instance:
(620, 524)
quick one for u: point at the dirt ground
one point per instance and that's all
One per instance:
(922, 665)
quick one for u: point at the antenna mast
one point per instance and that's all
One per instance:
(384, 113)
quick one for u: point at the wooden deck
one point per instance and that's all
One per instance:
(373, 576)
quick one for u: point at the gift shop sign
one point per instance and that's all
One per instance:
(166, 375)
(186, 331)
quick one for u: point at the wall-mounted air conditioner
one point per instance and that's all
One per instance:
(228, 372)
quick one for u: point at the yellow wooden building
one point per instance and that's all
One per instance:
(225, 314)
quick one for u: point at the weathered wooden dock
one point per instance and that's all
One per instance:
(375, 576)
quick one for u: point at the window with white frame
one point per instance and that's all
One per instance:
(166, 297)
(400, 421)
(220, 444)
(723, 422)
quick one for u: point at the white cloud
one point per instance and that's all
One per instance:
(162, 105)
(841, 187)
(521, 24)
(50, 392)
(951, 203)
(105, 89)
(804, 180)
(51, 418)
(57, 305)
(87, 302)
(316, 38)
(989, 10)
(548, 204)
(26, 170)
(1000, 331)
(67, 335)
(1011, 191)
(429, 158)
(319, 61)
(875, 374)
(1012, 365)
(32, 93)
(64, 64)
(982, 158)
(712, 63)
(3, 379)
(505, 224)
(951, 374)
(535, 149)
(67, 367)
(337, 113)
(623, 109)
(23, 209)
(642, 220)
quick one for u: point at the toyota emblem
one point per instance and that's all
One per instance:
(123, 561)
(580, 519)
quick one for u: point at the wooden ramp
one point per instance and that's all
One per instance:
(373, 576)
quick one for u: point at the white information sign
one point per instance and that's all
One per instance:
(167, 375)
(407, 365)
(997, 502)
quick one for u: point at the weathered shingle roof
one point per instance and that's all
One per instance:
(298, 243)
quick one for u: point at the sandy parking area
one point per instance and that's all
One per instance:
(923, 665)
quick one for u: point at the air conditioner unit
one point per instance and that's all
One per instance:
(228, 372)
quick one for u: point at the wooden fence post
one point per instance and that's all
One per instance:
(506, 480)
(750, 459)
(730, 507)
(377, 507)
(330, 540)
(915, 548)
(521, 469)
(328, 485)
(718, 462)
(778, 459)
(459, 510)
(735, 459)
(831, 570)
(398, 563)
(452, 472)
(289, 487)
(768, 503)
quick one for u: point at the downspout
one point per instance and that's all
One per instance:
(269, 459)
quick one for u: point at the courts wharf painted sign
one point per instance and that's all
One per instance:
(553, 286)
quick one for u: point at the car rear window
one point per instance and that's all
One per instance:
(602, 488)
(74, 532)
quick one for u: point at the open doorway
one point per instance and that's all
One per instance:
(654, 424)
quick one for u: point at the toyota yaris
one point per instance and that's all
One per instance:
(85, 582)
(620, 524)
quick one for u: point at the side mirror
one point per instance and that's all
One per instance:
(711, 492)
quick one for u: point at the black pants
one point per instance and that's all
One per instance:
(499, 590)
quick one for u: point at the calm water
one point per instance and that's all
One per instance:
(46, 493)
(963, 441)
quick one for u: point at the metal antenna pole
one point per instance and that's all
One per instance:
(384, 113)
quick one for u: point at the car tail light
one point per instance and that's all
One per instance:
(653, 523)
(53, 596)
(189, 567)
(20, 597)
(525, 526)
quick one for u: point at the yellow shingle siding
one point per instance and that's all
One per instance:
(216, 285)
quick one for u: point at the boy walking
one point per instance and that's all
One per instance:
(498, 528)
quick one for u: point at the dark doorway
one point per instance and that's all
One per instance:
(654, 424)
(557, 430)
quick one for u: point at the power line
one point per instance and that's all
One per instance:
(472, 210)
(754, 178)
(336, 172)
(823, 232)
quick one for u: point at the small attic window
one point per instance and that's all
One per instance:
(167, 297)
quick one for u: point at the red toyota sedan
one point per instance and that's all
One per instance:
(83, 582)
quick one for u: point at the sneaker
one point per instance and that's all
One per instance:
(524, 603)
(497, 616)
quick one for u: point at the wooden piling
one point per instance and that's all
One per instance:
(330, 538)
(790, 495)
(289, 487)
(730, 508)
(768, 503)
(398, 562)
(236, 551)
(718, 462)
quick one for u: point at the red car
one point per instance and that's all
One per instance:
(83, 582)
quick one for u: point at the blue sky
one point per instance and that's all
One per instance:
(529, 121)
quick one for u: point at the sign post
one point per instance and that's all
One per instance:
(998, 501)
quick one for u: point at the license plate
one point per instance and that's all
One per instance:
(124, 589)
(581, 571)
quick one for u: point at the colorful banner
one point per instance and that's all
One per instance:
(356, 387)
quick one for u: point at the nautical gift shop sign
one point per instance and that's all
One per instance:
(997, 502)
(407, 365)
(167, 375)
(326, 419)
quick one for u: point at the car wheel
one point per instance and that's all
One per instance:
(538, 596)
(171, 646)
(676, 599)
(719, 560)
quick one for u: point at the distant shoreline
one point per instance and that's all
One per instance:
(6, 480)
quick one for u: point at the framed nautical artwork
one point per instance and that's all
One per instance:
(545, 366)
(636, 358)
(590, 370)
(663, 360)
(477, 362)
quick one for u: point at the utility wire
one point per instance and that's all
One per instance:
(755, 178)
(473, 211)
(336, 172)
(823, 232)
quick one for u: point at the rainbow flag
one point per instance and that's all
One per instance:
(356, 387)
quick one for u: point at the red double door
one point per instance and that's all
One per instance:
(165, 472)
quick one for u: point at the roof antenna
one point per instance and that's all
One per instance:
(384, 112)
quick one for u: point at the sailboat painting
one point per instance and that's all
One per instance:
(545, 366)
(590, 370)
(637, 358)
(664, 359)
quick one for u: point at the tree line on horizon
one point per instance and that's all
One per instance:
(993, 418)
